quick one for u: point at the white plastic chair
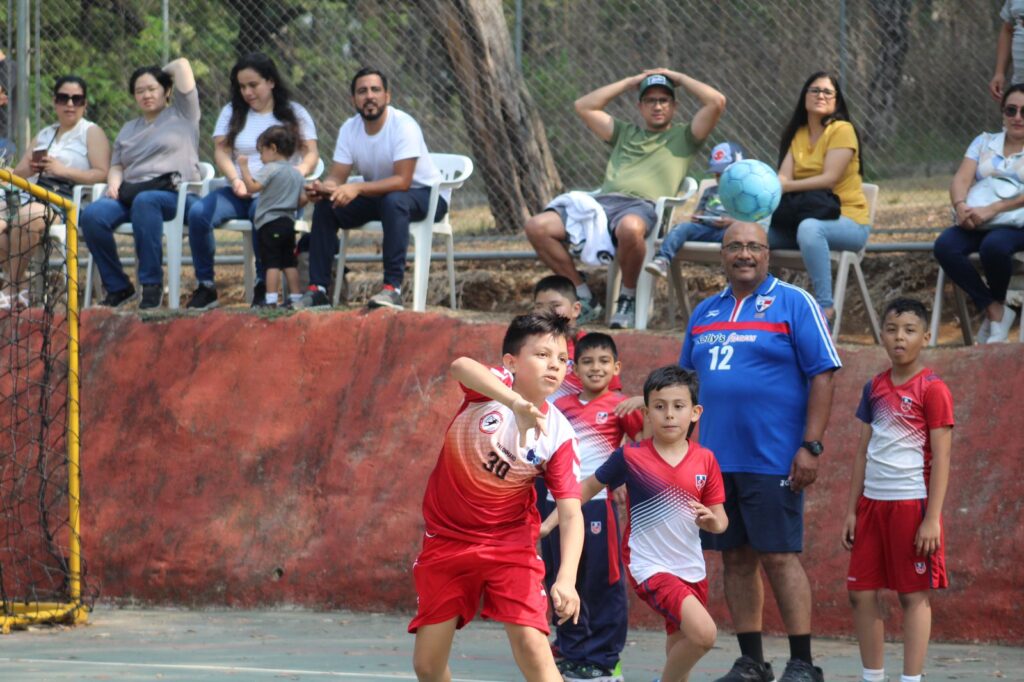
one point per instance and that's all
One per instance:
(663, 208)
(960, 300)
(455, 170)
(711, 253)
(245, 226)
(174, 234)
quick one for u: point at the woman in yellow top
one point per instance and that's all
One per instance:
(820, 150)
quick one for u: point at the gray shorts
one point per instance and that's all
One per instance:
(616, 207)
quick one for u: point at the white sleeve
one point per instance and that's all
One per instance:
(974, 151)
(220, 129)
(408, 142)
(343, 147)
(307, 128)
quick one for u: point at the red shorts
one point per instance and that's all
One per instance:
(883, 549)
(665, 593)
(452, 575)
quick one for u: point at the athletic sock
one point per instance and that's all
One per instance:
(208, 283)
(751, 645)
(627, 292)
(910, 678)
(294, 298)
(870, 675)
(271, 298)
(583, 292)
(800, 647)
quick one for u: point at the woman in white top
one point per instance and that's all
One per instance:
(259, 99)
(72, 151)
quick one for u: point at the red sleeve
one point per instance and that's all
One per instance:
(938, 405)
(632, 424)
(472, 396)
(563, 470)
(714, 488)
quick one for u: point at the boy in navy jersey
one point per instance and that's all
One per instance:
(900, 474)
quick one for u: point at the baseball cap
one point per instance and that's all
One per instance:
(723, 155)
(657, 80)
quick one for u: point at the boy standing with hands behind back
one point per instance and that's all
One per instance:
(898, 485)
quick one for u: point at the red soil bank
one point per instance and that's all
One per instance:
(233, 460)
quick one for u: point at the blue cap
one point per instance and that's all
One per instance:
(724, 155)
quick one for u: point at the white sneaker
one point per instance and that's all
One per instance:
(658, 267)
(23, 298)
(1000, 330)
(984, 331)
(5, 301)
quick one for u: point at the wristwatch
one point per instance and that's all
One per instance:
(813, 446)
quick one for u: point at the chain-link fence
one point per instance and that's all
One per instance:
(915, 74)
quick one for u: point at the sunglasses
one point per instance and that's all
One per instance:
(64, 98)
(1011, 111)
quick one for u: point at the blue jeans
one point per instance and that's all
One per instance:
(815, 238)
(394, 210)
(995, 247)
(147, 215)
(216, 208)
(688, 232)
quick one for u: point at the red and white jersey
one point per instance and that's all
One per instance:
(481, 489)
(598, 429)
(899, 456)
(661, 536)
(572, 385)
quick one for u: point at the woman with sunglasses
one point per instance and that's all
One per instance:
(72, 151)
(259, 99)
(820, 150)
(152, 155)
(979, 230)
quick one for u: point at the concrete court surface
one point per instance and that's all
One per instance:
(197, 646)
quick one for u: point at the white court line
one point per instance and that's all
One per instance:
(230, 669)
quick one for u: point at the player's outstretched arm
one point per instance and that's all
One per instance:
(929, 533)
(856, 485)
(478, 377)
(713, 519)
(564, 598)
(588, 489)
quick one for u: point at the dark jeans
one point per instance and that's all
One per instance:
(995, 247)
(216, 208)
(395, 211)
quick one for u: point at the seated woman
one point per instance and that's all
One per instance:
(159, 148)
(820, 150)
(72, 151)
(978, 229)
(259, 99)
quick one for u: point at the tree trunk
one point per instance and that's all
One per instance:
(892, 17)
(509, 145)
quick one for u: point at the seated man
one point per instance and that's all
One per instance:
(645, 163)
(386, 145)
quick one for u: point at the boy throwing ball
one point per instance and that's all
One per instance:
(893, 521)
(480, 507)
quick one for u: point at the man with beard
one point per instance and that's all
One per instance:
(386, 147)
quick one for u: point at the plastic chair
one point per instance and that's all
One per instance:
(663, 208)
(710, 253)
(174, 233)
(455, 170)
(246, 227)
(961, 303)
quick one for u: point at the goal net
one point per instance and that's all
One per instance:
(40, 542)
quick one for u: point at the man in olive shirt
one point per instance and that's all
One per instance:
(645, 163)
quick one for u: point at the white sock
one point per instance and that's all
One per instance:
(583, 292)
(271, 298)
(627, 292)
(870, 675)
(294, 298)
(910, 678)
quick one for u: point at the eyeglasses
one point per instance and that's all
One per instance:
(1010, 111)
(754, 248)
(148, 91)
(827, 93)
(65, 98)
(656, 101)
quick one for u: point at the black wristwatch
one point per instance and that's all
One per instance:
(813, 446)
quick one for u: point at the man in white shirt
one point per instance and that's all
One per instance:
(386, 146)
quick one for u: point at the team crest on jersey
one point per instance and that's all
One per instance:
(699, 480)
(712, 313)
(531, 456)
(906, 404)
(920, 567)
(602, 417)
(763, 303)
(490, 422)
(595, 527)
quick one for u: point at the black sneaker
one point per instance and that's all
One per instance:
(801, 671)
(592, 672)
(315, 298)
(746, 669)
(152, 296)
(259, 294)
(625, 314)
(203, 298)
(387, 298)
(115, 299)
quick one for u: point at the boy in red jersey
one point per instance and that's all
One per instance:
(480, 508)
(674, 488)
(900, 474)
(590, 648)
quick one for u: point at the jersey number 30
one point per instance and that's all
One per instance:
(720, 357)
(496, 465)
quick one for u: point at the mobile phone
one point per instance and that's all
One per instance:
(38, 155)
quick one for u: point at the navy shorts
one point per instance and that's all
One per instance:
(763, 513)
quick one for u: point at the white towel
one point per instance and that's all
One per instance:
(587, 227)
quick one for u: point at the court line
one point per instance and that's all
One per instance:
(229, 669)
